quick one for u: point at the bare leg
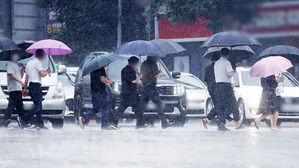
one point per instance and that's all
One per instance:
(258, 120)
(274, 120)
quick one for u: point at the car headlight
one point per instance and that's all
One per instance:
(117, 87)
(178, 89)
(58, 94)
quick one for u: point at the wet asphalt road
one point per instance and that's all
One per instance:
(188, 147)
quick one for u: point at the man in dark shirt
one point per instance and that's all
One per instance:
(209, 79)
(129, 96)
(100, 99)
(150, 72)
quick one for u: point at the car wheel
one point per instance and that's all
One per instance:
(78, 108)
(57, 123)
(242, 114)
(209, 106)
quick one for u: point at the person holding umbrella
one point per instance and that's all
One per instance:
(99, 95)
(267, 68)
(34, 73)
(129, 96)
(14, 87)
(225, 96)
(149, 91)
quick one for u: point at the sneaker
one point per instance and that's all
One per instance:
(114, 126)
(81, 122)
(204, 123)
(20, 123)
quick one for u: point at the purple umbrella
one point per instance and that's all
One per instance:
(270, 66)
(51, 47)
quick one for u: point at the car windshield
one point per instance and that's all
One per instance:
(114, 69)
(45, 63)
(67, 79)
(254, 81)
(191, 80)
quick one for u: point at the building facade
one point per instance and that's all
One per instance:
(29, 20)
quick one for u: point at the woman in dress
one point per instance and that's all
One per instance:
(268, 105)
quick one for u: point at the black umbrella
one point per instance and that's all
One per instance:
(230, 39)
(237, 53)
(290, 52)
(23, 45)
(7, 47)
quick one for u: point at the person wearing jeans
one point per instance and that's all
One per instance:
(34, 73)
(100, 99)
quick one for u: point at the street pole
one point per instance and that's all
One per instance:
(119, 26)
(148, 23)
(7, 18)
(156, 28)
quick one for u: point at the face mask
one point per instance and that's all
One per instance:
(15, 57)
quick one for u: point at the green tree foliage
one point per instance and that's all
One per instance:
(92, 25)
(222, 14)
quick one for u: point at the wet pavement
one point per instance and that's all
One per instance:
(188, 147)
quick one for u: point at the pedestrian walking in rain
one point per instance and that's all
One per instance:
(129, 96)
(209, 79)
(15, 74)
(100, 99)
(225, 97)
(268, 105)
(34, 73)
(149, 91)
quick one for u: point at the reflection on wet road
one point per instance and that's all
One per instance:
(188, 147)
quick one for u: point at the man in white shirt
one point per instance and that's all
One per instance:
(226, 100)
(34, 73)
(14, 88)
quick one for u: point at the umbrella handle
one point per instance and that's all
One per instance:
(49, 64)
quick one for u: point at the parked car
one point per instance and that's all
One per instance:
(172, 92)
(248, 92)
(198, 100)
(52, 91)
(67, 76)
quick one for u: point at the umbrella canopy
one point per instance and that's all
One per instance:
(99, 62)
(290, 52)
(270, 66)
(7, 47)
(23, 45)
(140, 47)
(237, 53)
(51, 47)
(168, 46)
(230, 39)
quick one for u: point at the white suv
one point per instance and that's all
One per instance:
(53, 94)
(248, 92)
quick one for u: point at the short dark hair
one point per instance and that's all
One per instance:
(133, 60)
(39, 52)
(224, 51)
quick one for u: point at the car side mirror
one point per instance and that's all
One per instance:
(176, 75)
(61, 70)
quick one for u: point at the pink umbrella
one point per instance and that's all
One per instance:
(51, 47)
(270, 66)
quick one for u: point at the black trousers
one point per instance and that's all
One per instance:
(150, 92)
(15, 104)
(212, 91)
(35, 92)
(129, 100)
(226, 102)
